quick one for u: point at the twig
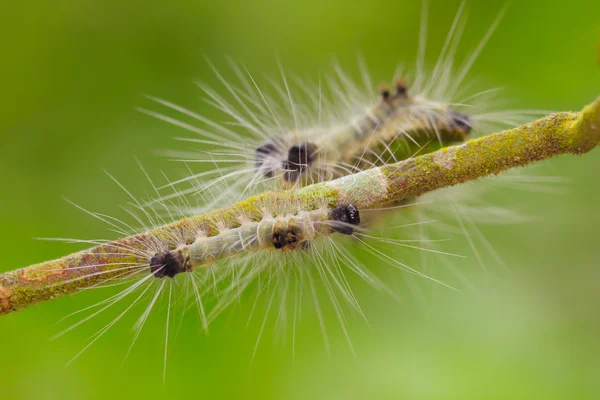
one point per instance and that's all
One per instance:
(556, 134)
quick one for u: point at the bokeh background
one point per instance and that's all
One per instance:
(72, 73)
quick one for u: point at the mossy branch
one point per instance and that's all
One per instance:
(556, 134)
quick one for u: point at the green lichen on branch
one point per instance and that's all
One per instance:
(556, 134)
(66, 275)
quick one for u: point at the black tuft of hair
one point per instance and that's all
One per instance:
(346, 217)
(261, 153)
(299, 158)
(285, 238)
(460, 121)
(278, 240)
(166, 263)
(401, 89)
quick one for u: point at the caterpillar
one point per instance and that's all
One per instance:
(325, 135)
(312, 156)
(224, 252)
(279, 232)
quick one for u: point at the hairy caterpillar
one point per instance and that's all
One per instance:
(330, 133)
(313, 156)
(225, 251)
(279, 232)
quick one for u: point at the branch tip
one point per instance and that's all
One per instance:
(587, 130)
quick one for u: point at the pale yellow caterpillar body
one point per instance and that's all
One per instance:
(279, 232)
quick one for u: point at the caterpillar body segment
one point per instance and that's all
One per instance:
(270, 233)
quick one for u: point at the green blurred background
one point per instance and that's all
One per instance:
(72, 73)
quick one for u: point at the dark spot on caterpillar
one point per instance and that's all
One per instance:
(460, 121)
(262, 153)
(292, 238)
(398, 98)
(285, 236)
(299, 158)
(385, 94)
(346, 217)
(167, 263)
(401, 88)
(277, 240)
(266, 149)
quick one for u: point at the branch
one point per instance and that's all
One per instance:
(556, 134)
